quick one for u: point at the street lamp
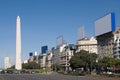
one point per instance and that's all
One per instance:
(97, 68)
(90, 51)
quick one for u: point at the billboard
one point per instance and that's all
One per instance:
(59, 41)
(30, 54)
(105, 24)
(81, 33)
(44, 49)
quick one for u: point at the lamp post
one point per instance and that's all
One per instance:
(97, 69)
(90, 51)
(90, 63)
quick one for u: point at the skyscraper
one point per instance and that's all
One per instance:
(18, 64)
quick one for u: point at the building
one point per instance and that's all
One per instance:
(31, 57)
(105, 45)
(108, 44)
(65, 56)
(88, 44)
(39, 58)
(116, 48)
(56, 53)
(18, 64)
(49, 61)
(42, 60)
(34, 57)
(7, 63)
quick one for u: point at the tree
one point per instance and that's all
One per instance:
(76, 62)
(12, 67)
(117, 62)
(31, 65)
(109, 63)
(56, 67)
(83, 59)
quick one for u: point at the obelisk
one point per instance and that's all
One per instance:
(18, 64)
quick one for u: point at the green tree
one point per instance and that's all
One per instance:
(31, 65)
(108, 63)
(12, 67)
(117, 62)
(56, 67)
(83, 59)
(75, 62)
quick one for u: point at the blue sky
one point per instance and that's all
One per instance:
(42, 21)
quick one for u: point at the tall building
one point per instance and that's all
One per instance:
(49, 60)
(87, 44)
(18, 64)
(108, 44)
(116, 48)
(65, 55)
(42, 60)
(56, 53)
(7, 63)
(105, 45)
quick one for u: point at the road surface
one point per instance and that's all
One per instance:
(50, 77)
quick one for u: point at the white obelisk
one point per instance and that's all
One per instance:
(18, 64)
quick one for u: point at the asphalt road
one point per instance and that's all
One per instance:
(50, 77)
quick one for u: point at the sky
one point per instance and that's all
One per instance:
(42, 21)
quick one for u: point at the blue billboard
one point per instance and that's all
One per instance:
(30, 54)
(44, 49)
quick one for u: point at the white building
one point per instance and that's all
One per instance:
(56, 53)
(66, 54)
(63, 54)
(7, 63)
(116, 49)
(87, 44)
(42, 60)
(49, 60)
